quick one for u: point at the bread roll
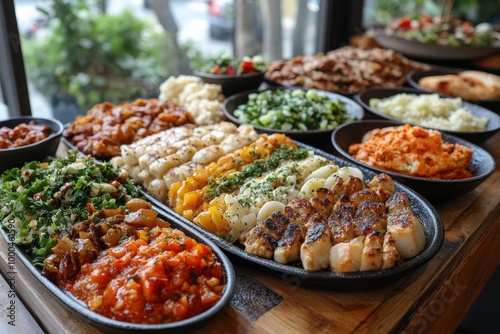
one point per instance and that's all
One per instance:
(469, 85)
(487, 85)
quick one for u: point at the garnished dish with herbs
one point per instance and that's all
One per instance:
(443, 30)
(85, 223)
(278, 201)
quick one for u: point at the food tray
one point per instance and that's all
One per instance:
(325, 279)
(113, 326)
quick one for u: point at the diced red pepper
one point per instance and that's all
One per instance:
(230, 70)
(405, 23)
(247, 66)
(216, 69)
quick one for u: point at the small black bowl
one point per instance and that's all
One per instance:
(312, 137)
(481, 166)
(18, 156)
(232, 84)
(476, 137)
(414, 77)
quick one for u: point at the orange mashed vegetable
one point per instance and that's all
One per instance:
(158, 276)
(414, 151)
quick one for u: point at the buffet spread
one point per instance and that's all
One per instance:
(134, 223)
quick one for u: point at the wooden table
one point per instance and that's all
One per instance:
(431, 299)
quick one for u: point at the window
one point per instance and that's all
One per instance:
(81, 52)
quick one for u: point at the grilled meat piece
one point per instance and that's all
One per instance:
(322, 206)
(340, 221)
(369, 217)
(263, 238)
(383, 181)
(370, 194)
(407, 231)
(372, 256)
(347, 256)
(390, 254)
(315, 251)
(406, 228)
(299, 211)
(397, 201)
(349, 187)
(288, 249)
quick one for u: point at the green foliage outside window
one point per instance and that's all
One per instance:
(95, 56)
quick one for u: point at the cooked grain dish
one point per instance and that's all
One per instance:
(430, 110)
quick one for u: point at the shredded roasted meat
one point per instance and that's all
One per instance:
(347, 69)
(107, 126)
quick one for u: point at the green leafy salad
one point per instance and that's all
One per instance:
(293, 109)
(42, 199)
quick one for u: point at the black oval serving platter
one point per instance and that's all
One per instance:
(108, 325)
(325, 279)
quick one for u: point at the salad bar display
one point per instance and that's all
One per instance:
(130, 226)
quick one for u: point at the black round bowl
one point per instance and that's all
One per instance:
(476, 137)
(481, 166)
(232, 84)
(18, 156)
(414, 77)
(313, 137)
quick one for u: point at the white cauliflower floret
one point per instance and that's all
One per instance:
(202, 100)
(206, 112)
(173, 86)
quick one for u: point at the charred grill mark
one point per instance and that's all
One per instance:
(269, 242)
(275, 225)
(290, 236)
(397, 201)
(315, 232)
(322, 206)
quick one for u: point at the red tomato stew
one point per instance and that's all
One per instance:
(160, 275)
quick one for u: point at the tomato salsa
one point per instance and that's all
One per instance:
(158, 276)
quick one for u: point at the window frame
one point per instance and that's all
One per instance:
(12, 72)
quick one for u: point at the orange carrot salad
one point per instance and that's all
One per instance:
(414, 151)
(159, 277)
